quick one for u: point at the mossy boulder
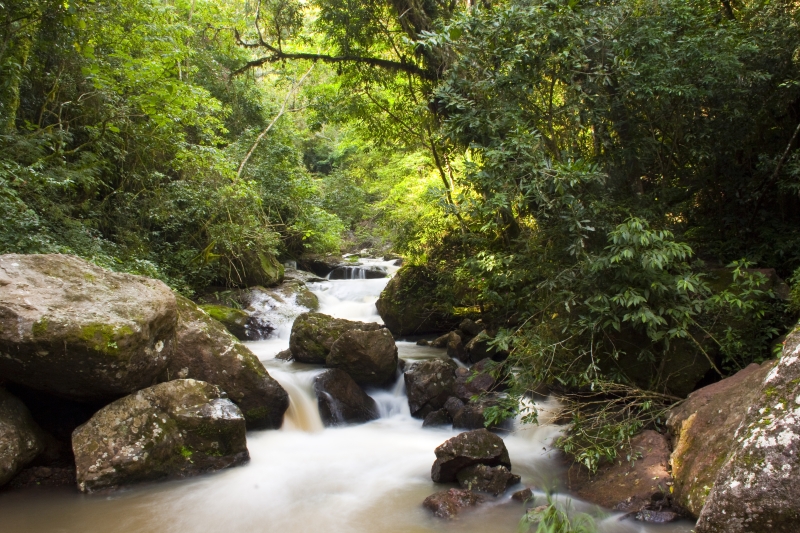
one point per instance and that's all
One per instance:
(755, 490)
(468, 449)
(21, 440)
(234, 320)
(369, 357)
(206, 351)
(408, 307)
(80, 331)
(313, 335)
(257, 268)
(176, 429)
(702, 430)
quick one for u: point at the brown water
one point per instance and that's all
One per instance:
(303, 478)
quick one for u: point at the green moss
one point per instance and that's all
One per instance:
(224, 314)
(186, 452)
(257, 413)
(103, 337)
(40, 327)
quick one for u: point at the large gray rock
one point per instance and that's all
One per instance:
(77, 330)
(313, 334)
(428, 385)
(370, 357)
(21, 440)
(175, 429)
(206, 351)
(756, 489)
(703, 429)
(468, 449)
(341, 400)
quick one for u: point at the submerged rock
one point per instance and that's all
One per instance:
(756, 489)
(440, 417)
(492, 479)
(522, 495)
(313, 334)
(624, 486)
(369, 357)
(467, 449)
(428, 385)
(80, 331)
(703, 430)
(176, 429)
(205, 351)
(21, 439)
(341, 400)
(449, 503)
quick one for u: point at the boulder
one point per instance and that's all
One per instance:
(341, 400)
(453, 405)
(370, 357)
(756, 489)
(472, 415)
(440, 417)
(235, 321)
(21, 440)
(478, 349)
(321, 265)
(175, 429)
(522, 495)
(428, 385)
(492, 479)
(284, 355)
(622, 485)
(470, 327)
(467, 449)
(474, 381)
(313, 334)
(408, 307)
(256, 268)
(205, 351)
(80, 331)
(357, 272)
(702, 430)
(449, 503)
(455, 347)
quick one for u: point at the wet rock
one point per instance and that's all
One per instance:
(455, 347)
(440, 417)
(657, 517)
(441, 342)
(470, 327)
(21, 439)
(428, 385)
(472, 415)
(370, 357)
(522, 495)
(205, 351)
(321, 265)
(703, 429)
(80, 331)
(313, 334)
(453, 405)
(624, 486)
(449, 503)
(756, 489)
(423, 342)
(492, 479)
(234, 320)
(467, 449)
(408, 307)
(341, 400)
(43, 476)
(284, 355)
(474, 381)
(175, 429)
(357, 272)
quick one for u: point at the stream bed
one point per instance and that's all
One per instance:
(305, 478)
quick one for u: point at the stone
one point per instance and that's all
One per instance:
(423, 342)
(702, 429)
(80, 331)
(357, 272)
(205, 351)
(453, 405)
(467, 449)
(624, 486)
(449, 503)
(428, 385)
(470, 327)
(756, 489)
(472, 415)
(321, 265)
(522, 495)
(256, 268)
(284, 355)
(474, 381)
(492, 479)
(313, 334)
(408, 307)
(657, 517)
(21, 439)
(43, 477)
(341, 401)
(370, 357)
(235, 320)
(440, 417)
(176, 429)
(455, 347)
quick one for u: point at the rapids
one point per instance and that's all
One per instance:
(306, 478)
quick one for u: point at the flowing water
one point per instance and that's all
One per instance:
(306, 478)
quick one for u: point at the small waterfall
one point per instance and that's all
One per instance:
(303, 412)
(392, 402)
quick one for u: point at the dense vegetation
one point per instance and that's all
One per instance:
(604, 182)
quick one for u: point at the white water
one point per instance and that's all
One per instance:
(358, 479)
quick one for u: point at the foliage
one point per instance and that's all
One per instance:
(552, 518)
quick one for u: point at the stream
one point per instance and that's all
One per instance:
(305, 478)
